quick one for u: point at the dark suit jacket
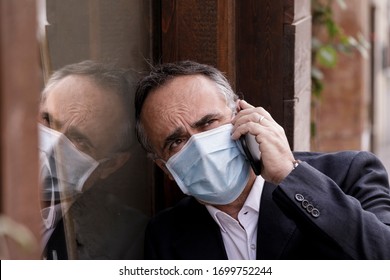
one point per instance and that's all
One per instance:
(350, 190)
(100, 227)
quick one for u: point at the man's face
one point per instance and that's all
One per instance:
(85, 114)
(184, 106)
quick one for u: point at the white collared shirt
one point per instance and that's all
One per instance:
(240, 237)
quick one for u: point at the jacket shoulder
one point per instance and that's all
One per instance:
(339, 160)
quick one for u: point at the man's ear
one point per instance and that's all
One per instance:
(162, 165)
(114, 164)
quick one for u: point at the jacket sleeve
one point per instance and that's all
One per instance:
(149, 248)
(344, 197)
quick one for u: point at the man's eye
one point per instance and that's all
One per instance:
(80, 143)
(176, 144)
(210, 122)
(45, 119)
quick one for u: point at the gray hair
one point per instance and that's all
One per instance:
(161, 74)
(114, 79)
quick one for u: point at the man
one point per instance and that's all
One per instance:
(85, 132)
(303, 206)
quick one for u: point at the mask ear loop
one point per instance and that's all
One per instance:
(49, 220)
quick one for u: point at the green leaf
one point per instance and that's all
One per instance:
(327, 56)
(316, 87)
(352, 41)
(317, 73)
(332, 27)
(363, 41)
(316, 43)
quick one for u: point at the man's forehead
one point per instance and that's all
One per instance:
(79, 91)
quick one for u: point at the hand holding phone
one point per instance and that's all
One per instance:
(252, 152)
(276, 159)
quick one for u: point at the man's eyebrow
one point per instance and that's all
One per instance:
(171, 137)
(204, 120)
(178, 132)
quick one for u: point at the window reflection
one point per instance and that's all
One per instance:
(87, 102)
(96, 182)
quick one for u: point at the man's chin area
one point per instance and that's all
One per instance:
(212, 204)
(203, 202)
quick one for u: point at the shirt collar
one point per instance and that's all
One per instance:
(252, 201)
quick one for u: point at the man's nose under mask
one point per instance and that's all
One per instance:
(63, 172)
(64, 169)
(211, 167)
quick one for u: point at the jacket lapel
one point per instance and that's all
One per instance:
(200, 238)
(274, 228)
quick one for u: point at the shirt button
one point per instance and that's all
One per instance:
(253, 246)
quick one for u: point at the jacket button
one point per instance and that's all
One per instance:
(315, 213)
(309, 208)
(299, 197)
(305, 203)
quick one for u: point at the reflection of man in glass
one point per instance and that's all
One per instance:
(85, 139)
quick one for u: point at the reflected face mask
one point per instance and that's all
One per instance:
(211, 167)
(64, 169)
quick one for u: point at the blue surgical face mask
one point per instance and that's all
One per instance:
(64, 170)
(211, 167)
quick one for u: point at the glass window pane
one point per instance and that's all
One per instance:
(96, 180)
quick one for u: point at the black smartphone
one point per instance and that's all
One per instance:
(252, 152)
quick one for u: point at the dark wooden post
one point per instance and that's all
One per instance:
(273, 62)
(203, 31)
